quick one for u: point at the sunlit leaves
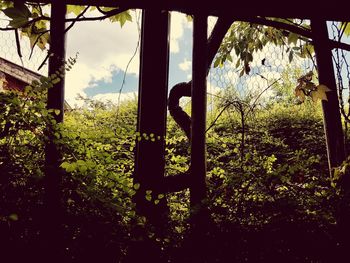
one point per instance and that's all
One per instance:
(306, 88)
(122, 18)
(245, 39)
(6, 4)
(75, 9)
(320, 93)
(293, 38)
(19, 15)
(346, 28)
(13, 217)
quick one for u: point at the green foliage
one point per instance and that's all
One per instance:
(307, 88)
(269, 177)
(19, 15)
(244, 39)
(346, 28)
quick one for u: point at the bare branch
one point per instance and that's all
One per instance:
(294, 29)
(78, 17)
(110, 13)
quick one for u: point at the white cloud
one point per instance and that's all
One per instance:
(185, 65)
(103, 47)
(79, 78)
(178, 23)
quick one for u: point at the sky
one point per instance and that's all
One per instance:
(105, 49)
(107, 54)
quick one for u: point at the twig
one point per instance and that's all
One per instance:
(73, 22)
(18, 44)
(218, 116)
(36, 41)
(256, 99)
(111, 13)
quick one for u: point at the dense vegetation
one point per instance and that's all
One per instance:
(270, 194)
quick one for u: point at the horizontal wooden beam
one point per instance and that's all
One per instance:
(336, 11)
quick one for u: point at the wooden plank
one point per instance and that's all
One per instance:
(199, 110)
(152, 111)
(331, 112)
(53, 216)
(337, 11)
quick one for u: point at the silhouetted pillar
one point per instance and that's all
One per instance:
(199, 110)
(53, 173)
(331, 113)
(152, 111)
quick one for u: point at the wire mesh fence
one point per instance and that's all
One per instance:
(17, 59)
(341, 59)
(265, 74)
(267, 71)
(31, 59)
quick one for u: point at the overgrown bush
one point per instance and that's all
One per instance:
(269, 191)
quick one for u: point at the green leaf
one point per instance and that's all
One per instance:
(137, 186)
(217, 62)
(110, 184)
(320, 93)
(290, 57)
(229, 57)
(347, 28)
(18, 22)
(56, 80)
(20, 11)
(20, 15)
(121, 18)
(82, 169)
(75, 9)
(189, 18)
(64, 165)
(249, 57)
(293, 38)
(13, 217)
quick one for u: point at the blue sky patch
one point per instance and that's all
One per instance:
(102, 87)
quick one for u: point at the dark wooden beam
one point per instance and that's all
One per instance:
(332, 119)
(336, 11)
(198, 111)
(53, 173)
(152, 111)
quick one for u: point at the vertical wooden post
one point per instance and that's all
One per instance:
(331, 113)
(152, 110)
(199, 110)
(53, 173)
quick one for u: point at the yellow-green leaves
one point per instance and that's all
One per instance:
(320, 93)
(38, 34)
(137, 186)
(121, 18)
(19, 15)
(75, 9)
(13, 217)
(307, 88)
(346, 27)
(293, 38)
